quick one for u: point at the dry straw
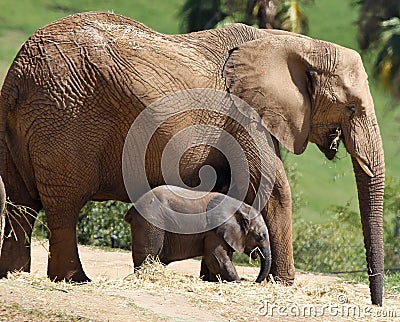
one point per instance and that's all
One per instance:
(246, 300)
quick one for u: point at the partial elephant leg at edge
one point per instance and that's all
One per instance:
(15, 252)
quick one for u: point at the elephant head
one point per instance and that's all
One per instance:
(311, 90)
(244, 230)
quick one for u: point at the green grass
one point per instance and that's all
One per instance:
(333, 21)
(322, 182)
(391, 281)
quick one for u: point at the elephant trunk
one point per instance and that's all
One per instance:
(265, 257)
(370, 196)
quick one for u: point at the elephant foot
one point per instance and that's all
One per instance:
(74, 276)
(14, 257)
(283, 276)
(210, 278)
(4, 271)
(283, 280)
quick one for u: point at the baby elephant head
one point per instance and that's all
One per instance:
(243, 228)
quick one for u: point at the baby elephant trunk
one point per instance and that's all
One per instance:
(265, 258)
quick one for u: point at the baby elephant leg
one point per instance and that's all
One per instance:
(205, 273)
(218, 261)
(147, 239)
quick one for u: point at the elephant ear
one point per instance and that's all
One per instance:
(129, 215)
(272, 76)
(232, 222)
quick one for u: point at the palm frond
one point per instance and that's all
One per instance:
(291, 18)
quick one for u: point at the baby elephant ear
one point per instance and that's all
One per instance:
(232, 225)
(129, 215)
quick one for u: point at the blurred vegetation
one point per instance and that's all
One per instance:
(278, 14)
(98, 223)
(379, 30)
(337, 246)
(101, 221)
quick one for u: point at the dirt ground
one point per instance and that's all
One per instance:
(176, 294)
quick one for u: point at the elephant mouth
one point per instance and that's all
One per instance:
(328, 141)
(334, 136)
(327, 151)
(254, 253)
(329, 154)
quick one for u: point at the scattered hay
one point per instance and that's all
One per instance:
(310, 298)
(40, 282)
(239, 301)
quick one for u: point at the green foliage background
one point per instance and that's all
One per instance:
(98, 221)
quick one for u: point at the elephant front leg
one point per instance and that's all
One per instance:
(278, 218)
(147, 240)
(218, 261)
(205, 273)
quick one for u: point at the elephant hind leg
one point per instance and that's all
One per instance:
(62, 216)
(64, 188)
(16, 232)
(63, 261)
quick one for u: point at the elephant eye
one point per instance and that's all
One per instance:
(352, 107)
(261, 237)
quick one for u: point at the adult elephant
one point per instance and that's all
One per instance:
(77, 85)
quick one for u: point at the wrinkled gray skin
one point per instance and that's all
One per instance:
(239, 228)
(77, 85)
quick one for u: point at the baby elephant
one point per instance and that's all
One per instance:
(175, 224)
